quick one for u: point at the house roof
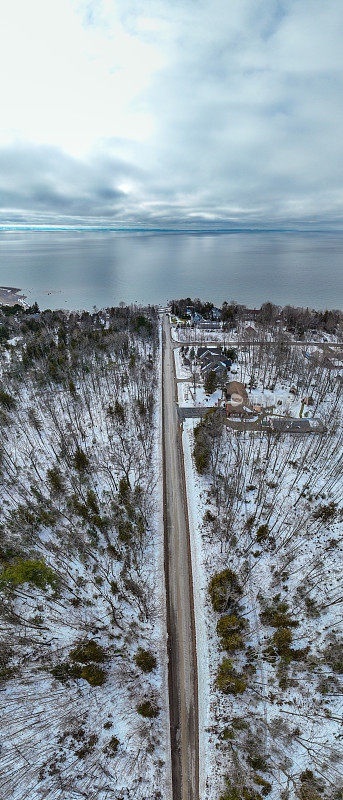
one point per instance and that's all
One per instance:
(237, 388)
(214, 366)
(289, 424)
(205, 352)
(209, 324)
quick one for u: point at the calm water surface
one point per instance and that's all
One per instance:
(81, 269)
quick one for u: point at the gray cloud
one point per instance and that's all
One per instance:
(43, 184)
(248, 124)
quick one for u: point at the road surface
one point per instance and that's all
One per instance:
(183, 684)
(252, 342)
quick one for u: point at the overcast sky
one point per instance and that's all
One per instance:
(151, 112)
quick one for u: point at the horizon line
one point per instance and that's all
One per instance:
(160, 229)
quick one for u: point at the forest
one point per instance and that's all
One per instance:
(271, 525)
(82, 644)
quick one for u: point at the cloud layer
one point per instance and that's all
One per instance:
(133, 113)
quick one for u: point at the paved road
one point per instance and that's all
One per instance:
(259, 342)
(192, 412)
(183, 686)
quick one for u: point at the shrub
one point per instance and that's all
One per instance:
(242, 792)
(36, 573)
(6, 673)
(81, 462)
(7, 401)
(262, 533)
(87, 747)
(325, 513)
(6, 654)
(119, 411)
(311, 788)
(145, 660)
(124, 488)
(224, 590)
(89, 651)
(232, 793)
(239, 724)
(72, 388)
(205, 433)
(309, 792)
(142, 322)
(148, 709)
(112, 746)
(64, 671)
(229, 680)
(4, 333)
(230, 353)
(201, 455)
(266, 786)
(282, 640)
(113, 552)
(92, 502)
(55, 480)
(258, 762)
(276, 615)
(93, 674)
(124, 531)
(229, 630)
(311, 608)
(280, 644)
(333, 655)
(228, 735)
(232, 642)
(210, 383)
(133, 587)
(202, 449)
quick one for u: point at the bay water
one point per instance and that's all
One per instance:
(82, 269)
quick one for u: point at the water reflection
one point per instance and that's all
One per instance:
(74, 269)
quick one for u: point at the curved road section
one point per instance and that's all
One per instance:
(183, 685)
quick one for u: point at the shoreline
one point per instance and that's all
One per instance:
(9, 296)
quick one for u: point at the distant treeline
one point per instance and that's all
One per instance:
(296, 320)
